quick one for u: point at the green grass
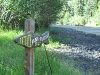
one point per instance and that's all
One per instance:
(12, 58)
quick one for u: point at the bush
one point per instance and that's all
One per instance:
(77, 20)
(14, 12)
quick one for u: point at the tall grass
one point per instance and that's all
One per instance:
(12, 58)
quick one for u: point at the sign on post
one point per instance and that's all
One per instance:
(32, 40)
(29, 40)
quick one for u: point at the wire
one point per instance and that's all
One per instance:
(48, 59)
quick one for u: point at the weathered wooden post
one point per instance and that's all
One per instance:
(30, 40)
(29, 52)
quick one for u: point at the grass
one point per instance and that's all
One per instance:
(12, 58)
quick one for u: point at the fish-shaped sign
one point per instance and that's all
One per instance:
(31, 39)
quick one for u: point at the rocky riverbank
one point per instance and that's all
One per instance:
(83, 48)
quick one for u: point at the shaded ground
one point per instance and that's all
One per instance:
(83, 48)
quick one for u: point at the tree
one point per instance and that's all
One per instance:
(43, 11)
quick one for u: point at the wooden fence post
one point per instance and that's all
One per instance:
(29, 52)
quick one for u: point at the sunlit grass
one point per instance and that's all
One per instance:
(12, 58)
(53, 44)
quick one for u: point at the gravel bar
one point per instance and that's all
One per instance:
(82, 47)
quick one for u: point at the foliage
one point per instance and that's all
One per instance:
(81, 12)
(14, 12)
(45, 12)
(77, 20)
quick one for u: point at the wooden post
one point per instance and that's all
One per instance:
(29, 40)
(29, 52)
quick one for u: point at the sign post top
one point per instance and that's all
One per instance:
(29, 25)
(29, 39)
